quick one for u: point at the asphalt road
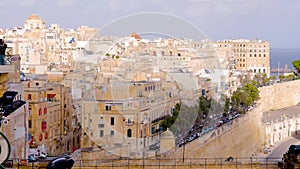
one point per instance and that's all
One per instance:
(280, 148)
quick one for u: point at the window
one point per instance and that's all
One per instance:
(29, 96)
(250, 55)
(264, 55)
(46, 135)
(129, 133)
(112, 132)
(37, 84)
(107, 107)
(101, 125)
(29, 124)
(264, 70)
(112, 121)
(44, 126)
(40, 111)
(101, 133)
(153, 130)
(45, 110)
(41, 137)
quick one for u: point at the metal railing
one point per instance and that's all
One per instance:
(147, 163)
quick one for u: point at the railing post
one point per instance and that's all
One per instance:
(221, 163)
(159, 163)
(204, 163)
(251, 162)
(267, 163)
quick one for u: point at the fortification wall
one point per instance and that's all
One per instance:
(247, 133)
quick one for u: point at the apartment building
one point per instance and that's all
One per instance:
(126, 116)
(250, 55)
(15, 127)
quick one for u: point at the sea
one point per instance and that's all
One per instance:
(283, 58)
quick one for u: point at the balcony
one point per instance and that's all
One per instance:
(129, 123)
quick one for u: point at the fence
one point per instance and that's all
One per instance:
(156, 163)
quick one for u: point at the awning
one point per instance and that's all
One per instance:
(51, 96)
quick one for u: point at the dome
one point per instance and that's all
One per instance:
(34, 22)
(34, 17)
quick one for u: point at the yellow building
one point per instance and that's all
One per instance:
(251, 55)
(44, 118)
(125, 117)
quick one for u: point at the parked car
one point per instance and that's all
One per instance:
(33, 158)
(154, 146)
(43, 155)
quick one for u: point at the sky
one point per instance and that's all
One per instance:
(275, 21)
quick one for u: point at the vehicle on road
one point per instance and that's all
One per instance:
(154, 146)
(32, 158)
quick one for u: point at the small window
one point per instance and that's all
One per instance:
(112, 121)
(40, 111)
(101, 125)
(37, 84)
(29, 96)
(46, 135)
(112, 132)
(41, 137)
(44, 126)
(29, 124)
(101, 133)
(129, 134)
(107, 107)
(45, 110)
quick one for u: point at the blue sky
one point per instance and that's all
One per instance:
(272, 20)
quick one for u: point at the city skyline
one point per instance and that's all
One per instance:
(217, 19)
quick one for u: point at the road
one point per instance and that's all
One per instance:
(281, 147)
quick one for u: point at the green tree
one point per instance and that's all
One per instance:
(296, 64)
(244, 96)
(252, 91)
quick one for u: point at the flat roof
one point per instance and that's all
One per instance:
(274, 115)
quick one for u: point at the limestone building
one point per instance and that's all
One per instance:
(250, 55)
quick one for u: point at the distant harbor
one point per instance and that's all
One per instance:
(282, 57)
(281, 70)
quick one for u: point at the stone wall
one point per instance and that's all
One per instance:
(246, 134)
